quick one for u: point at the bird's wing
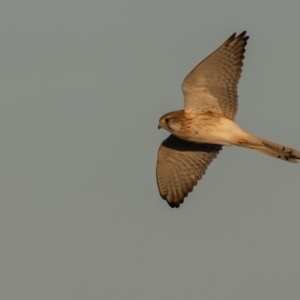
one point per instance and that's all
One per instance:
(180, 164)
(212, 84)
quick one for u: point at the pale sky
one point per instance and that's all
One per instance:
(83, 84)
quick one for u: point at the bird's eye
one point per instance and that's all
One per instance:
(167, 120)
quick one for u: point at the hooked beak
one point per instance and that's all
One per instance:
(158, 127)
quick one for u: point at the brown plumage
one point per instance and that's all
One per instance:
(217, 76)
(181, 165)
(207, 123)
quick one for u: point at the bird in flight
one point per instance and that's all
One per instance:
(206, 123)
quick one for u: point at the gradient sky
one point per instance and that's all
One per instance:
(83, 84)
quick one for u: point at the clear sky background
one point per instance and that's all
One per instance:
(82, 86)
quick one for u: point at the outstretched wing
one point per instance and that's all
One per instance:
(180, 164)
(212, 84)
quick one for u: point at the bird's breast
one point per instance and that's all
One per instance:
(208, 128)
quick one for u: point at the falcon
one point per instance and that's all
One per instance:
(207, 123)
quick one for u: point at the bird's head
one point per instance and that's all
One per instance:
(171, 121)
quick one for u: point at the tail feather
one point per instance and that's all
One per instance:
(276, 150)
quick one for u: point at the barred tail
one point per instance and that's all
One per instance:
(276, 150)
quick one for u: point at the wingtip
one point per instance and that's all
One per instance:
(232, 36)
(243, 35)
(172, 203)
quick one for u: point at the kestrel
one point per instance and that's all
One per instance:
(207, 123)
